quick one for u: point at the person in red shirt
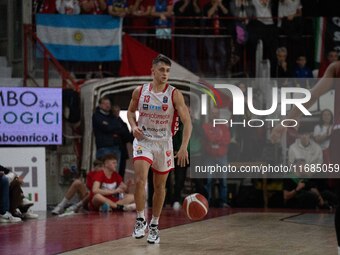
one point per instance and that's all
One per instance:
(78, 187)
(109, 190)
(93, 6)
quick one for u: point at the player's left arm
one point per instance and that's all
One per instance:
(183, 112)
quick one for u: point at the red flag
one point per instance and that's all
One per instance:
(136, 58)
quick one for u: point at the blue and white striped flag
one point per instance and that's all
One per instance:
(81, 37)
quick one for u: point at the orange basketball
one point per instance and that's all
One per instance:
(195, 206)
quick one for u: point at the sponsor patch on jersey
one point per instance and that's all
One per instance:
(168, 162)
(164, 107)
(165, 99)
(168, 153)
(139, 150)
(145, 106)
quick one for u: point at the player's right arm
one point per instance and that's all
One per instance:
(131, 114)
(323, 85)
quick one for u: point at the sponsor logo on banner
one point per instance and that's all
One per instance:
(30, 116)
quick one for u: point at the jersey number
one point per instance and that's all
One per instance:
(146, 99)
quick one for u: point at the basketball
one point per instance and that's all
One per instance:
(195, 206)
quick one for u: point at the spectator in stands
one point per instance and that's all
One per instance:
(109, 191)
(305, 148)
(309, 9)
(280, 67)
(322, 133)
(332, 56)
(290, 23)
(69, 7)
(162, 10)
(216, 144)
(301, 191)
(107, 130)
(186, 13)
(127, 137)
(79, 188)
(216, 24)
(141, 11)
(117, 8)
(263, 28)
(44, 6)
(93, 6)
(5, 215)
(303, 72)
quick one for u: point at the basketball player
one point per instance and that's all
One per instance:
(326, 83)
(158, 104)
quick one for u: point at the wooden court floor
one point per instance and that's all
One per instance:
(223, 231)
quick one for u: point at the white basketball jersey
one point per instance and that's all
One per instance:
(157, 116)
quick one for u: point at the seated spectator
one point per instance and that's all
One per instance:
(69, 7)
(279, 66)
(108, 190)
(93, 6)
(18, 204)
(322, 133)
(302, 72)
(79, 188)
(332, 56)
(117, 8)
(305, 148)
(5, 215)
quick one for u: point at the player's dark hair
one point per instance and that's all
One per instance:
(161, 58)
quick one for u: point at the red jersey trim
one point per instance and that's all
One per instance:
(143, 158)
(140, 93)
(172, 98)
(159, 172)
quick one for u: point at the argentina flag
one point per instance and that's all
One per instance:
(81, 37)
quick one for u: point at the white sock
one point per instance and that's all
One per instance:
(154, 220)
(63, 202)
(338, 250)
(141, 214)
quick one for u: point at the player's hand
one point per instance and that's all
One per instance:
(182, 157)
(137, 133)
(276, 133)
